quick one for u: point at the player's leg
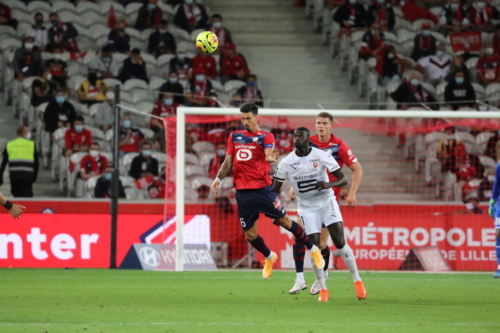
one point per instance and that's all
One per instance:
(325, 252)
(299, 251)
(497, 230)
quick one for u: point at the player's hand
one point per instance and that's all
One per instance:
(274, 156)
(16, 211)
(213, 188)
(492, 208)
(292, 194)
(351, 200)
(321, 185)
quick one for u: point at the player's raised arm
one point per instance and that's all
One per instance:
(270, 149)
(14, 210)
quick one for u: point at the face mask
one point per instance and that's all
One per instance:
(110, 96)
(127, 124)
(56, 56)
(181, 56)
(200, 78)
(151, 6)
(440, 53)
(480, 5)
(221, 152)
(92, 77)
(163, 31)
(426, 32)
(120, 30)
(375, 32)
(54, 22)
(106, 59)
(390, 55)
(352, 2)
(188, 2)
(49, 77)
(153, 195)
(217, 25)
(94, 153)
(488, 50)
(454, 6)
(28, 46)
(146, 153)
(491, 178)
(469, 206)
(108, 176)
(415, 82)
(39, 23)
(78, 128)
(28, 137)
(168, 101)
(459, 80)
(251, 83)
(60, 99)
(172, 80)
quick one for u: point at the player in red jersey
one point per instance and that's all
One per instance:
(249, 152)
(328, 142)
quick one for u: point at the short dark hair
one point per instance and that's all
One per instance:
(53, 14)
(163, 22)
(95, 144)
(20, 130)
(217, 16)
(80, 118)
(146, 143)
(136, 51)
(460, 71)
(303, 129)
(37, 14)
(106, 49)
(325, 115)
(253, 76)
(250, 107)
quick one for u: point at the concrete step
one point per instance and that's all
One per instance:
(258, 13)
(272, 38)
(276, 26)
(224, 4)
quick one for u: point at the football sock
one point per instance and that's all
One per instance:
(326, 255)
(259, 245)
(300, 276)
(320, 274)
(299, 251)
(498, 252)
(350, 261)
(297, 230)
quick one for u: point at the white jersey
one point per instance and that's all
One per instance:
(303, 173)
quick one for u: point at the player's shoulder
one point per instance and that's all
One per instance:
(319, 153)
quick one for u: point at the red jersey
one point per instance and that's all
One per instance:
(93, 166)
(250, 169)
(75, 140)
(490, 67)
(5, 11)
(232, 66)
(162, 110)
(339, 150)
(207, 63)
(132, 144)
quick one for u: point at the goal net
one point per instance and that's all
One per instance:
(427, 178)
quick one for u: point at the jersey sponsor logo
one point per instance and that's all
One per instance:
(245, 146)
(255, 139)
(244, 154)
(293, 165)
(306, 177)
(307, 185)
(277, 204)
(239, 138)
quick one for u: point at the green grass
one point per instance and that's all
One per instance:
(50, 300)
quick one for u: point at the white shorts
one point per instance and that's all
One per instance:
(314, 220)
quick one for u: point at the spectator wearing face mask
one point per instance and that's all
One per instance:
(459, 92)
(118, 39)
(467, 54)
(382, 13)
(144, 165)
(134, 67)
(92, 90)
(488, 66)
(59, 113)
(161, 184)
(458, 65)
(105, 116)
(249, 93)
(182, 65)
(207, 62)
(198, 89)
(173, 86)
(233, 66)
(351, 16)
(39, 33)
(57, 68)
(453, 18)
(161, 41)
(93, 164)
(77, 138)
(191, 16)
(481, 15)
(149, 16)
(42, 88)
(62, 34)
(222, 33)
(130, 138)
(412, 93)
(283, 135)
(103, 188)
(412, 12)
(27, 60)
(424, 43)
(485, 186)
(6, 16)
(388, 66)
(153, 192)
(435, 68)
(105, 65)
(372, 43)
(166, 107)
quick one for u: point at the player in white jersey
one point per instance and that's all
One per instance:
(306, 168)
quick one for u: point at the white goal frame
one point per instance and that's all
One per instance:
(181, 146)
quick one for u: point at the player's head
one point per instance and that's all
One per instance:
(250, 116)
(301, 138)
(324, 123)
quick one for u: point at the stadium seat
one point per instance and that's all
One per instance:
(69, 16)
(37, 6)
(233, 85)
(196, 182)
(76, 68)
(134, 84)
(203, 147)
(156, 83)
(63, 5)
(126, 162)
(468, 140)
(145, 106)
(110, 82)
(90, 186)
(405, 35)
(97, 134)
(146, 33)
(148, 133)
(87, 6)
(217, 85)
(479, 89)
(194, 170)
(7, 31)
(440, 90)
(429, 87)
(10, 43)
(142, 95)
(72, 175)
(488, 162)
(482, 141)
(205, 158)
(191, 159)
(188, 45)
(117, 7)
(16, 4)
(90, 18)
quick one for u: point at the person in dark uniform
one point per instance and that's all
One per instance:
(21, 156)
(103, 186)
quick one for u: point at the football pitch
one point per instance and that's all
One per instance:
(56, 300)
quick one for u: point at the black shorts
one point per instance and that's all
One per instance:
(255, 201)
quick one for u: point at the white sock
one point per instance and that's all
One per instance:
(320, 275)
(300, 276)
(314, 248)
(349, 260)
(270, 256)
(499, 267)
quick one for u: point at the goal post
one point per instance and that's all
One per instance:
(451, 117)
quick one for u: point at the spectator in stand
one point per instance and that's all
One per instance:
(223, 35)
(412, 93)
(249, 93)
(372, 43)
(233, 66)
(57, 68)
(481, 15)
(283, 135)
(153, 192)
(388, 66)
(59, 113)
(6, 16)
(458, 65)
(173, 86)
(42, 88)
(77, 138)
(383, 14)
(453, 18)
(198, 89)
(105, 64)
(459, 92)
(485, 186)
(182, 65)
(62, 34)
(191, 16)
(92, 90)
(488, 66)
(412, 12)
(466, 55)
(207, 62)
(118, 39)
(149, 16)
(93, 164)
(144, 165)
(216, 162)
(105, 117)
(134, 67)
(496, 40)
(424, 43)
(130, 138)
(351, 16)
(493, 146)
(39, 33)
(160, 184)
(166, 107)
(103, 186)
(203, 192)
(27, 60)
(435, 68)
(161, 41)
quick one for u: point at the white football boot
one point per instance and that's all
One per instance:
(297, 287)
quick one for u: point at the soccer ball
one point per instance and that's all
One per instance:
(207, 42)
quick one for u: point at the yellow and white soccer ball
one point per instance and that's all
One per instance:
(207, 42)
